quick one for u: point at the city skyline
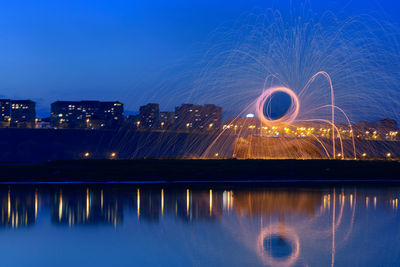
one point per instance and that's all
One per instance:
(109, 53)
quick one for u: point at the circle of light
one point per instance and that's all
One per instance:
(290, 235)
(290, 114)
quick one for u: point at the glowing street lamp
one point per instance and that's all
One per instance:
(86, 155)
(113, 155)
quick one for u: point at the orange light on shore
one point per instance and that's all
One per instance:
(86, 155)
(113, 155)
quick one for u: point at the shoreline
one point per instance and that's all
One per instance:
(159, 171)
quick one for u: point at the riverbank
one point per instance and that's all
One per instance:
(180, 170)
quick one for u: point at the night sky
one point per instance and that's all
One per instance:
(115, 50)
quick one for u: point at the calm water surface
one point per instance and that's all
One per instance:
(130, 225)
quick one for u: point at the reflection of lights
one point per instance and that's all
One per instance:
(374, 202)
(366, 201)
(333, 228)
(87, 203)
(329, 201)
(289, 235)
(138, 202)
(60, 208)
(187, 201)
(36, 204)
(101, 199)
(162, 201)
(8, 206)
(224, 200)
(351, 200)
(227, 200)
(211, 203)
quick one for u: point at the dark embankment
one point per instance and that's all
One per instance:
(173, 170)
(42, 145)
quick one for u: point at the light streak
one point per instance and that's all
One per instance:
(264, 99)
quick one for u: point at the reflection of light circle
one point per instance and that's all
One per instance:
(290, 236)
(288, 117)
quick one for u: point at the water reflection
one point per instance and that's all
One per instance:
(280, 226)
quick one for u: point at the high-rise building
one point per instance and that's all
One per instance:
(5, 109)
(23, 113)
(87, 114)
(17, 113)
(167, 119)
(211, 116)
(190, 116)
(149, 116)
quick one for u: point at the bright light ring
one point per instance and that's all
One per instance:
(290, 235)
(265, 99)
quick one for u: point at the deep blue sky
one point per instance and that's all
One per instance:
(102, 49)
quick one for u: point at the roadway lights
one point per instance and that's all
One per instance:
(113, 155)
(388, 155)
(86, 155)
(364, 154)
